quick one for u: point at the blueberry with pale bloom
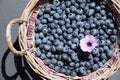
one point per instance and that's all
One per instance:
(88, 43)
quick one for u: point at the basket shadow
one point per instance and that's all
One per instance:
(23, 69)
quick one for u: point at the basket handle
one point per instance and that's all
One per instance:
(8, 36)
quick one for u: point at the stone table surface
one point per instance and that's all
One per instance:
(12, 67)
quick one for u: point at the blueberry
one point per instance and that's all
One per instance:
(96, 59)
(57, 68)
(81, 36)
(96, 52)
(109, 31)
(95, 67)
(46, 16)
(110, 15)
(59, 31)
(79, 23)
(51, 66)
(71, 16)
(64, 34)
(62, 6)
(36, 36)
(92, 25)
(114, 32)
(102, 42)
(75, 40)
(103, 61)
(47, 61)
(103, 56)
(90, 57)
(44, 41)
(51, 38)
(65, 49)
(68, 4)
(49, 54)
(56, 2)
(72, 2)
(92, 5)
(73, 73)
(101, 31)
(63, 70)
(94, 32)
(64, 56)
(113, 38)
(74, 57)
(67, 20)
(59, 48)
(61, 22)
(41, 46)
(87, 64)
(103, 12)
(75, 33)
(69, 37)
(86, 8)
(98, 23)
(72, 8)
(70, 52)
(90, 12)
(45, 31)
(102, 6)
(97, 16)
(112, 26)
(37, 42)
(98, 8)
(43, 21)
(82, 71)
(60, 63)
(79, 11)
(110, 53)
(37, 22)
(56, 42)
(82, 63)
(53, 61)
(38, 52)
(74, 25)
(79, 1)
(81, 30)
(100, 64)
(63, 16)
(77, 65)
(68, 25)
(84, 17)
(76, 5)
(40, 27)
(73, 46)
(56, 15)
(59, 11)
(43, 56)
(69, 60)
(87, 25)
(87, 32)
(50, 19)
(47, 47)
(78, 17)
(47, 9)
(53, 49)
(72, 64)
(88, 71)
(56, 36)
(106, 49)
(69, 30)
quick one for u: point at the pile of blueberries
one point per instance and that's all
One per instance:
(60, 26)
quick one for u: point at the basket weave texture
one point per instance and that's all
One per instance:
(26, 42)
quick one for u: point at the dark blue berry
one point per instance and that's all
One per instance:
(56, 2)
(95, 67)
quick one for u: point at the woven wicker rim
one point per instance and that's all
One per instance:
(25, 51)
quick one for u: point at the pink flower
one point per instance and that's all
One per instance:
(88, 43)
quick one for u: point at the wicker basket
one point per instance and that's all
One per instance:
(26, 42)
